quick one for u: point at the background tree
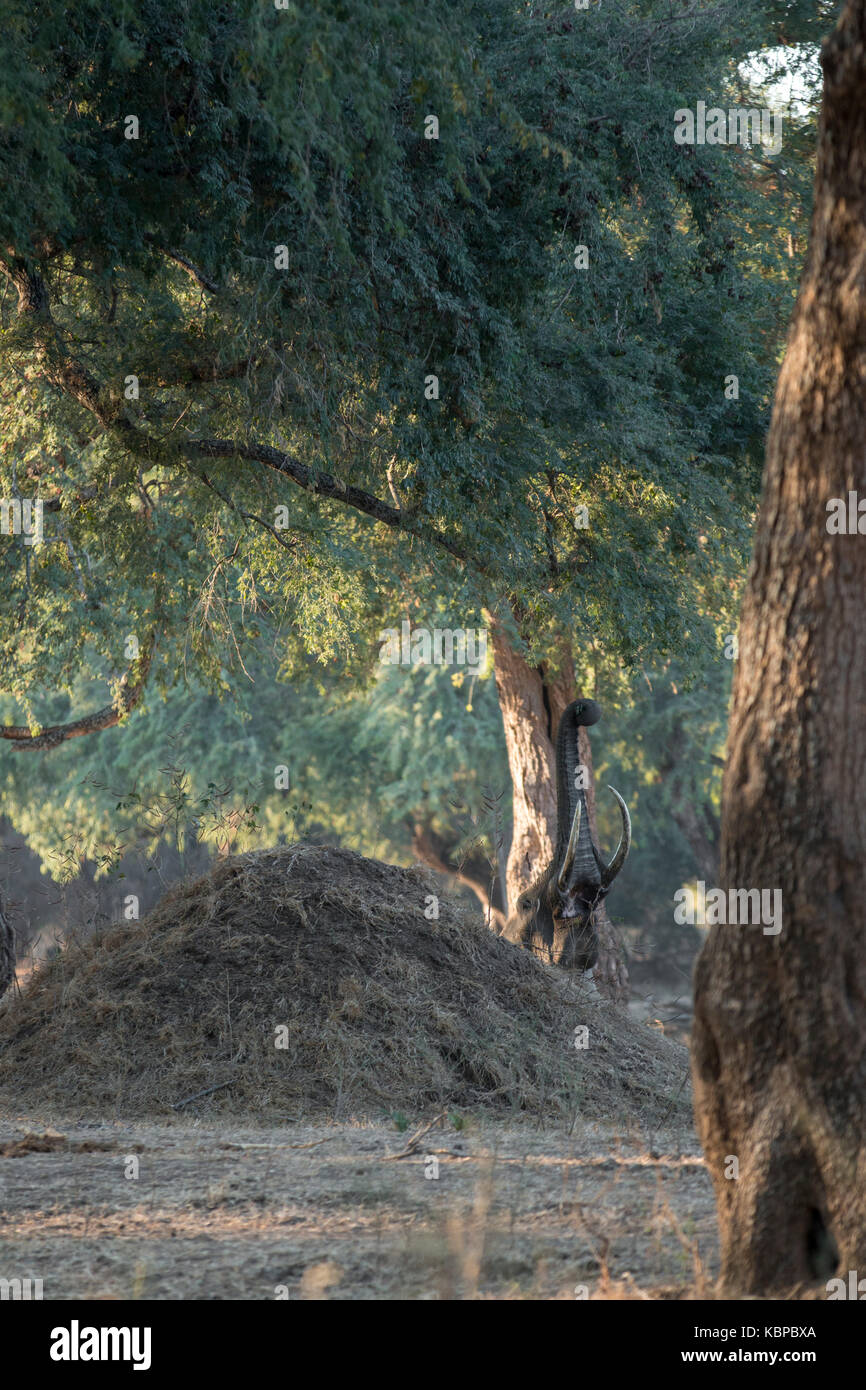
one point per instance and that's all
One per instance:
(7, 952)
(780, 1027)
(234, 264)
(413, 765)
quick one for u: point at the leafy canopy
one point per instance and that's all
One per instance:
(303, 387)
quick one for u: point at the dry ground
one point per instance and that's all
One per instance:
(312, 1211)
(212, 1062)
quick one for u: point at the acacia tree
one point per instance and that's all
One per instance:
(780, 1022)
(274, 359)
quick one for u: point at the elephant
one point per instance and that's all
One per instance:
(555, 917)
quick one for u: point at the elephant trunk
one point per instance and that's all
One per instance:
(576, 860)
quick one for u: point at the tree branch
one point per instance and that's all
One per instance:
(65, 372)
(129, 695)
(198, 372)
(246, 516)
(71, 376)
(326, 485)
(200, 278)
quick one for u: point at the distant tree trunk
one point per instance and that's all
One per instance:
(532, 700)
(694, 816)
(472, 871)
(7, 952)
(527, 721)
(780, 1021)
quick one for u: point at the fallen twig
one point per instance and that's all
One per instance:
(417, 1137)
(206, 1092)
(230, 1144)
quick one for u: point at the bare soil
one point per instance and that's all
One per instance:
(330, 1211)
(227, 1100)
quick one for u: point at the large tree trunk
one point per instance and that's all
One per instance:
(532, 700)
(780, 1020)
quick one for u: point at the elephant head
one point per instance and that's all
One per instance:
(557, 914)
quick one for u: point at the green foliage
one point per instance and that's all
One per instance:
(362, 766)
(304, 128)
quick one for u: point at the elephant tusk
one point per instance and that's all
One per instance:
(570, 849)
(613, 868)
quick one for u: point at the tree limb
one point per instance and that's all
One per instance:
(246, 516)
(69, 375)
(129, 695)
(65, 372)
(199, 276)
(326, 485)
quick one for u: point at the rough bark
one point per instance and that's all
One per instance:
(532, 700)
(526, 719)
(779, 1048)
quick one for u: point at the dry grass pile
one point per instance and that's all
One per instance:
(375, 1008)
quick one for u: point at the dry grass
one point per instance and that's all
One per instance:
(380, 1009)
(518, 1212)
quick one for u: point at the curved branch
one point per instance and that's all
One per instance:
(63, 371)
(193, 271)
(430, 848)
(129, 695)
(70, 376)
(326, 485)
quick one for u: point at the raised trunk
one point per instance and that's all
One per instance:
(611, 970)
(780, 1020)
(532, 701)
(571, 795)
